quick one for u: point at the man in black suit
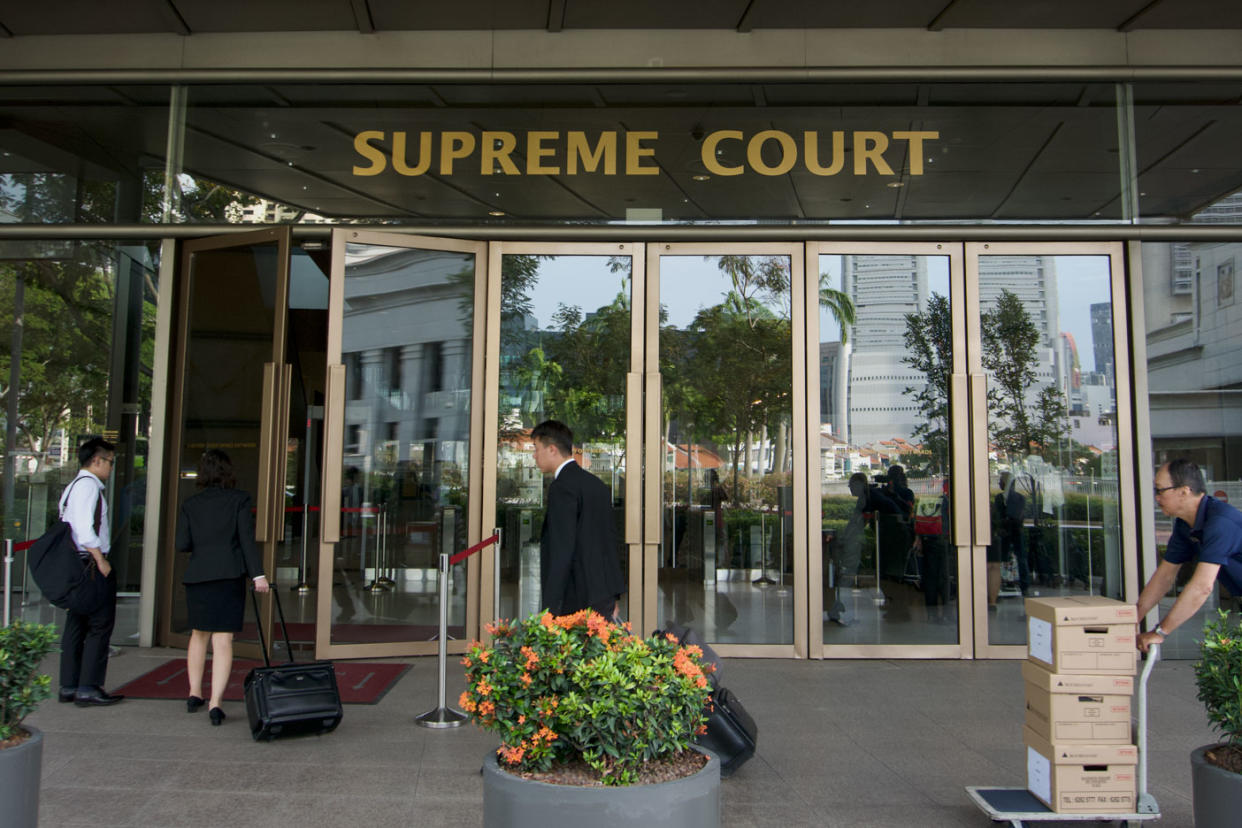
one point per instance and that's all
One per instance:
(579, 564)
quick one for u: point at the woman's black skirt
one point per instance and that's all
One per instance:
(216, 606)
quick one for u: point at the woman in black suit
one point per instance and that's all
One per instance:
(216, 526)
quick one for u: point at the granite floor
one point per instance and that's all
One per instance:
(842, 743)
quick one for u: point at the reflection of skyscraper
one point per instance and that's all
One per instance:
(1102, 337)
(1033, 279)
(884, 289)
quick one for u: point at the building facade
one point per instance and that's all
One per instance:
(745, 251)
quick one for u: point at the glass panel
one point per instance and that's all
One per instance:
(306, 344)
(726, 552)
(406, 342)
(564, 353)
(1194, 373)
(231, 311)
(1048, 351)
(84, 368)
(885, 357)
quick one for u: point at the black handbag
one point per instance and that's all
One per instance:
(68, 581)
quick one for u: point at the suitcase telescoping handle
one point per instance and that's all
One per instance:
(258, 623)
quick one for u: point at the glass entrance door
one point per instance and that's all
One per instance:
(245, 341)
(400, 470)
(724, 532)
(1049, 368)
(890, 549)
(566, 346)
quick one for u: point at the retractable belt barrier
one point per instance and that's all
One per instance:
(443, 715)
(9, 549)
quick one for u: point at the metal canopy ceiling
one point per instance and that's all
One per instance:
(188, 17)
(1006, 151)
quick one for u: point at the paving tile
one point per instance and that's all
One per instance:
(842, 743)
(94, 806)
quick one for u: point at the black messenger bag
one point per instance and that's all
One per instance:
(291, 698)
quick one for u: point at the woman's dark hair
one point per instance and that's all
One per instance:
(215, 469)
(898, 475)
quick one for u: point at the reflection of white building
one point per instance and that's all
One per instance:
(1194, 353)
(406, 348)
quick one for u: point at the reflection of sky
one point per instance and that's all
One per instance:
(581, 281)
(688, 284)
(1082, 281)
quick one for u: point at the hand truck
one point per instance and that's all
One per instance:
(1018, 805)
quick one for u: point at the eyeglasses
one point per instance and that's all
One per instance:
(109, 460)
(1159, 491)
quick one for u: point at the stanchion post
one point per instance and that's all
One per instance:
(8, 580)
(443, 716)
(496, 573)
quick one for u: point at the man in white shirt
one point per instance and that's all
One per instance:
(84, 642)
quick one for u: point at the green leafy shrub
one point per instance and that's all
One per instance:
(577, 686)
(1219, 677)
(22, 687)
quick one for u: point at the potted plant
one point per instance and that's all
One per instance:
(22, 687)
(592, 720)
(1216, 770)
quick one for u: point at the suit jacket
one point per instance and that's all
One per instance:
(216, 526)
(578, 546)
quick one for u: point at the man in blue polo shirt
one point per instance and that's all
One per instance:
(1205, 530)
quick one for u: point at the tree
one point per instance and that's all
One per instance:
(929, 340)
(1020, 426)
(65, 349)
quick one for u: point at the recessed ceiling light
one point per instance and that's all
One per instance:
(701, 177)
(495, 212)
(895, 184)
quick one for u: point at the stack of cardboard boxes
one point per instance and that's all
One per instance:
(1081, 660)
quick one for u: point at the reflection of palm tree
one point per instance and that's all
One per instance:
(839, 304)
(538, 376)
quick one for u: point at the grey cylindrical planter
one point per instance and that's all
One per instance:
(513, 802)
(21, 768)
(1217, 792)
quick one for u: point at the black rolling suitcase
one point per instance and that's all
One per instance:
(292, 698)
(731, 732)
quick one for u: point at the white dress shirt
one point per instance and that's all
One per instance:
(563, 464)
(77, 508)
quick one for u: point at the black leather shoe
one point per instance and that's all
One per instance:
(95, 698)
(193, 703)
(217, 716)
(67, 694)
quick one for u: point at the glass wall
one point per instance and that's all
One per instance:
(1194, 379)
(79, 364)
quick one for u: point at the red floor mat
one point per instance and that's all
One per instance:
(360, 682)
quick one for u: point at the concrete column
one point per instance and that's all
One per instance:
(412, 392)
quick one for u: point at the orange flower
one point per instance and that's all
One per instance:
(483, 688)
(484, 655)
(522, 718)
(466, 662)
(532, 657)
(700, 682)
(546, 621)
(486, 708)
(465, 703)
(512, 755)
(544, 733)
